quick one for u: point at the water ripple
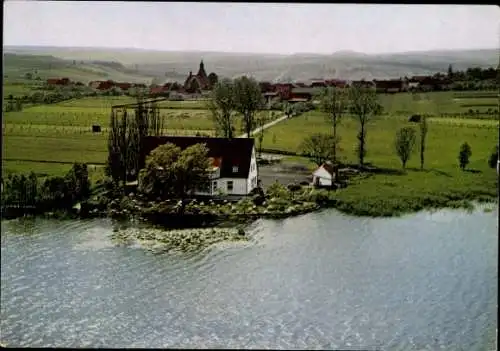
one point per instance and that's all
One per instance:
(320, 281)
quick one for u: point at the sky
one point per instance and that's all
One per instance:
(252, 27)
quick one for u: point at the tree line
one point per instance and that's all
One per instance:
(27, 192)
(473, 74)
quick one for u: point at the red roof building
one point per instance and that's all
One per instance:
(102, 85)
(124, 86)
(284, 90)
(58, 81)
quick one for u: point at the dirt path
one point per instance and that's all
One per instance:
(265, 126)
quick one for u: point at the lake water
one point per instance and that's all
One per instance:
(323, 280)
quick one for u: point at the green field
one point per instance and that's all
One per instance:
(441, 183)
(439, 103)
(62, 132)
(44, 66)
(444, 138)
(47, 139)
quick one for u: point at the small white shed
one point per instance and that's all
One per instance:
(324, 175)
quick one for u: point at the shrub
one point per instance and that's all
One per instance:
(319, 196)
(294, 187)
(277, 190)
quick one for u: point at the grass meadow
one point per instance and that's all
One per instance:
(47, 139)
(62, 132)
(440, 184)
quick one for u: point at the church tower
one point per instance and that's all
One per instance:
(201, 71)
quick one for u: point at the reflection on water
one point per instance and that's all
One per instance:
(322, 280)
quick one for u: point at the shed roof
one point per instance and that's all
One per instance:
(330, 168)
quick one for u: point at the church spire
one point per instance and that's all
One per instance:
(201, 71)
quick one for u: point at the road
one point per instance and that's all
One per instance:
(265, 126)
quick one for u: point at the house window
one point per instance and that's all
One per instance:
(235, 169)
(230, 185)
(214, 187)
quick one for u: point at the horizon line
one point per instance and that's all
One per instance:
(342, 51)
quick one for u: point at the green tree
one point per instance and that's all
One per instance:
(78, 184)
(493, 160)
(450, 71)
(20, 190)
(464, 155)
(334, 102)
(192, 170)
(248, 100)
(157, 178)
(423, 128)
(222, 106)
(318, 147)
(404, 143)
(212, 79)
(287, 109)
(364, 106)
(170, 172)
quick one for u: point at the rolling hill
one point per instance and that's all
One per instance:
(137, 64)
(16, 66)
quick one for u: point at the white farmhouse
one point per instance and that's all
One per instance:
(234, 162)
(324, 175)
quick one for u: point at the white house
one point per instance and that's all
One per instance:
(234, 163)
(324, 175)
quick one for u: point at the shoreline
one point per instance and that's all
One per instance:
(131, 230)
(211, 214)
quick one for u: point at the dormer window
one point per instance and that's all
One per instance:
(235, 169)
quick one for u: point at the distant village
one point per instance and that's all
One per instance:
(197, 84)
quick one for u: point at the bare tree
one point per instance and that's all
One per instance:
(222, 106)
(248, 99)
(334, 102)
(363, 105)
(318, 147)
(404, 143)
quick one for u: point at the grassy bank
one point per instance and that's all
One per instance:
(392, 195)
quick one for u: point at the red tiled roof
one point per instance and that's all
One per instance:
(158, 90)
